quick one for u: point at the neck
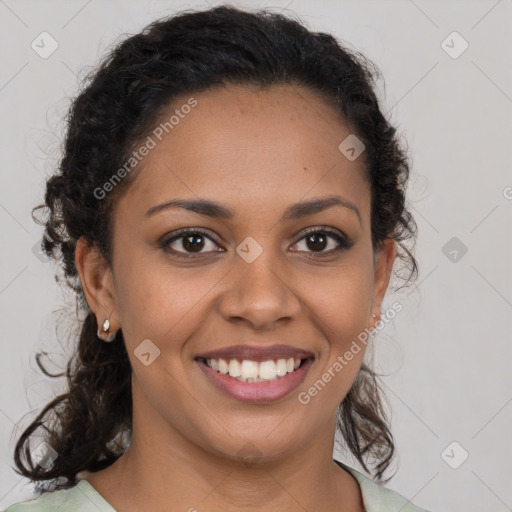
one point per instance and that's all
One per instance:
(152, 474)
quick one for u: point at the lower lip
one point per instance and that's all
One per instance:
(257, 391)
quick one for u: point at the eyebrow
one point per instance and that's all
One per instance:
(293, 212)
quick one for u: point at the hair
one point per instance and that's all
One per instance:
(89, 426)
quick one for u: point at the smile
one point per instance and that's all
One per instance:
(248, 382)
(254, 371)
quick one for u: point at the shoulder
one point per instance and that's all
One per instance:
(80, 498)
(377, 498)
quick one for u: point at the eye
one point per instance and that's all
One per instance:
(318, 239)
(189, 242)
(192, 242)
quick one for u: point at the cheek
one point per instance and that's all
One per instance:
(159, 302)
(341, 299)
(339, 308)
(340, 302)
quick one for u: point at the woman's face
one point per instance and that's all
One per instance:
(253, 286)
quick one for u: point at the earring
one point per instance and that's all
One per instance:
(373, 330)
(109, 336)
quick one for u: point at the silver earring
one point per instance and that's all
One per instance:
(374, 315)
(105, 335)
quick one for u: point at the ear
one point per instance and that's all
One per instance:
(384, 258)
(97, 282)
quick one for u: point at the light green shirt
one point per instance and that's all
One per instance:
(84, 498)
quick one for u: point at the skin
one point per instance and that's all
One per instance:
(273, 147)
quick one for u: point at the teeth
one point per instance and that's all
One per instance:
(281, 367)
(267, 370)
(223, 366)
(249, 369)
(234, 369)
(252, 371)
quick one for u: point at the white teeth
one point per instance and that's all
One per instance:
(253, 371)
(249, 369)
(234, 368)
(267, 370)
(223, 366)
(281, 367)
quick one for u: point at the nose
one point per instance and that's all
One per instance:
(259, 294)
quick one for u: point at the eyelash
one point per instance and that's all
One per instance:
(343, 242)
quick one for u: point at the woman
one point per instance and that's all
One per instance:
(228, 209)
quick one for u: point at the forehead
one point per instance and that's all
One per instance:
(242, 145)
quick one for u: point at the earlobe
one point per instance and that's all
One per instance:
(97, 283)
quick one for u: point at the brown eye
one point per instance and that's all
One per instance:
(193, 243)
(318, 240)
(190, 242)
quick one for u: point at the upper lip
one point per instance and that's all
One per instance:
(256, 353)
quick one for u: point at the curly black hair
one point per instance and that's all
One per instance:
(89, 426)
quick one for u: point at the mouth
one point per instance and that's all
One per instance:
(256, 374)
(254, 371)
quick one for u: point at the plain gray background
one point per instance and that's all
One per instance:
(447, 353)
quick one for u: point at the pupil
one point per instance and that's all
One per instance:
(190, 245)
(317, 236)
